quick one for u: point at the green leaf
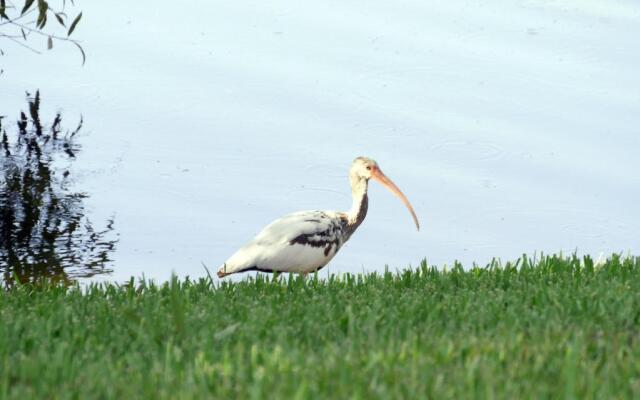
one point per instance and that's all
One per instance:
(3, 7)
(43, 7)
(49, 43)
(42, 21)
(27, 5)
(84, 56)
(24, 34)
(73, 24)
(60, 20)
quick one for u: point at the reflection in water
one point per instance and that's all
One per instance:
(43, 229)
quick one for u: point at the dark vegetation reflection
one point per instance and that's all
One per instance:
(44, 232)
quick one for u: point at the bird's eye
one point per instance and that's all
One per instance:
(368, 168)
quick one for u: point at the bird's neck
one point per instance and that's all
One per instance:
(360, 203)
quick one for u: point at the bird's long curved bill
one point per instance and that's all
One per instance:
(388, 183)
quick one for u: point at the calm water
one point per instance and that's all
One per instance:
(511, 127)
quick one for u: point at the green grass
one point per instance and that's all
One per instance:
(556, 328)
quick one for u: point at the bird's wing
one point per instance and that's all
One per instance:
(312, 225)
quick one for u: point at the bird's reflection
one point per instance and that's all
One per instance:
(44, 232)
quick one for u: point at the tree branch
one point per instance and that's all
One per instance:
(20, 43)
(11, 21)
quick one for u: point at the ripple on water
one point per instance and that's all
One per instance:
(326, 169)
(466, 151)
(339, 193)
(579, 223)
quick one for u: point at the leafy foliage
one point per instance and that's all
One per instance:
(17, 24)
(43, 229)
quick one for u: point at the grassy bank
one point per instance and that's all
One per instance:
(559, 327)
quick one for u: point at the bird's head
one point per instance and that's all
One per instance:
(364, 168)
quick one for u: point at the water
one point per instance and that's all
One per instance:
(43, 227)
(511, 127)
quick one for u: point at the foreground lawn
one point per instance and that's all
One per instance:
(559, 328)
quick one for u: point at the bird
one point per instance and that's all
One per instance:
(303, 242)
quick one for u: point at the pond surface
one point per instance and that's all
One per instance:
(511, 127)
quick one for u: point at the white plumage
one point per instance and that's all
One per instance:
(306, 241)
(272, 249)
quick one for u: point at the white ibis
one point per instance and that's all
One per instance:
(306, 241)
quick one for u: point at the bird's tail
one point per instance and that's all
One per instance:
(222, 271)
